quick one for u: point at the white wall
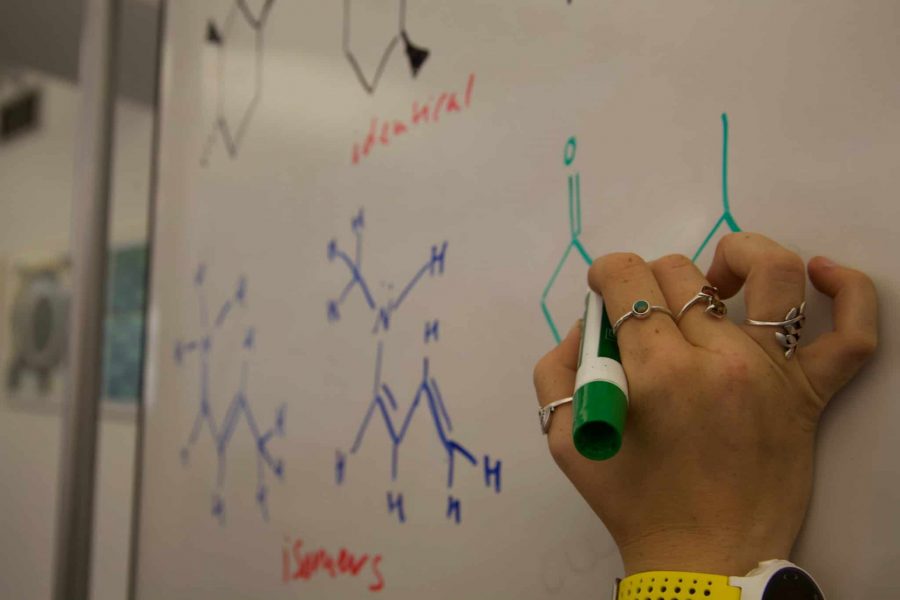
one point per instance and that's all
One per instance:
(36, 182)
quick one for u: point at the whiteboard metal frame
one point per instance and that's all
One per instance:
(137, 479)
(90, 231)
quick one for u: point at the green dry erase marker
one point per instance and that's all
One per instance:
(600, 401)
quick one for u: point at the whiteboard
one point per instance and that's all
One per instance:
(348, 294)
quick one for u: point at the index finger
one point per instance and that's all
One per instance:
(623, 279)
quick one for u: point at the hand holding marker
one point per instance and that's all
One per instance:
(601, 390)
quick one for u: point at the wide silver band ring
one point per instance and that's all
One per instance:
(641, 309)
(789, 336)
(714, 306)
(547, 411)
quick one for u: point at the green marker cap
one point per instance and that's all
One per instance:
(598, 419)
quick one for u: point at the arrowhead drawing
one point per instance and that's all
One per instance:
(212, 34)
(416, 54)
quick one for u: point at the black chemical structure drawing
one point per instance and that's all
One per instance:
(416, 55)
(238, 43)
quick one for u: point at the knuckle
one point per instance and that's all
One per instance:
(561, 449)
(674, 262)
(662, 369)
(670, 368)
(549, 378)
(620, 261)
(614, 266)
(783, 265)
(736, 238)
(736, 370)
(863, 282)
(541, 369)
(648, 385)
(860, 346)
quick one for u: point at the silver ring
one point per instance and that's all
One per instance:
(641, 309)
(789, 336)
(547, 411)
(714, 306)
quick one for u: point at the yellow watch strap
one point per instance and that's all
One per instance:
(677, 585)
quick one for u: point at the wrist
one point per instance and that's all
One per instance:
(719, 552)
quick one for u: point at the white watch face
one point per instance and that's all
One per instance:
(790, 583)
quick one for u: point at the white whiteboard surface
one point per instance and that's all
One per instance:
(247, 209)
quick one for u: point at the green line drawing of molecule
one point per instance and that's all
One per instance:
(726, 218)
(574, 232)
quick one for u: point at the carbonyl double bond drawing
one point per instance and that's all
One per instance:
(198, 353)
(237, 41)
(396, 412)
(574, 179)
(361, 23)
(574, 201)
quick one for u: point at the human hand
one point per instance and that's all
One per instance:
(715, 469)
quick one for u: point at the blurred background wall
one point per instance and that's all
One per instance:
(39, 42)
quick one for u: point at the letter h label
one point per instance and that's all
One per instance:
(396, 505)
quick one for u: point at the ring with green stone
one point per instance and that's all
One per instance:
(641, 309)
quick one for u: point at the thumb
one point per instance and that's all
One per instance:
(554, 373)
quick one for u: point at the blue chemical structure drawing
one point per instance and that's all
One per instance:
(384, 406)
(574, 243)
(383, 399)
(237, 41)
(433, 265)
(239, 409)
(415, 55)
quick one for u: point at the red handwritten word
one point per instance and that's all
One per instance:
(383, 131)
(296, 564)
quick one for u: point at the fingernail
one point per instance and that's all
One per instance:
(827, 262)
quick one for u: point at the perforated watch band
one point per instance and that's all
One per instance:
(676, 585)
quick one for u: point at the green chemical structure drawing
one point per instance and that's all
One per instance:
(574, 179)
